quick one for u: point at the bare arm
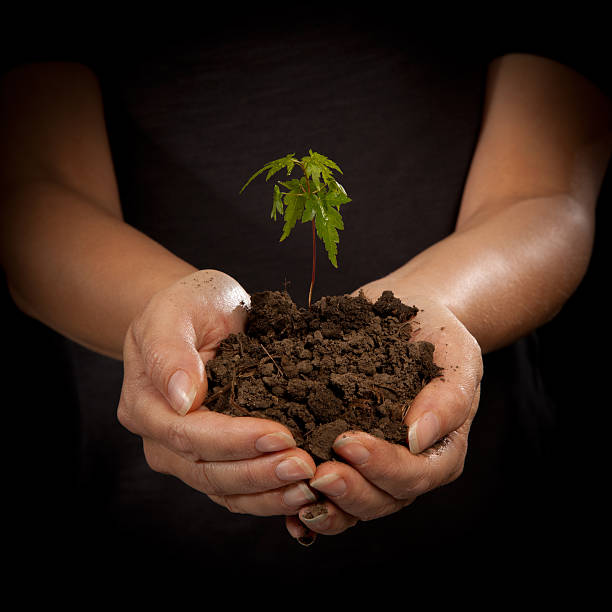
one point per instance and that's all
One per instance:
(524, 234)
(73, 263)
(522, 243)
(70, 260)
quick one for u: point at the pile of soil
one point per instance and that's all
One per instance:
(343, 364)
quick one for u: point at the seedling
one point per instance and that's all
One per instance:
(315, 197)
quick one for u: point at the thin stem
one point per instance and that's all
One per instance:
(314, 248)
(314, 262)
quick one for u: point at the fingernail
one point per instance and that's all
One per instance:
(293, 468)
(298, 495)
(315, 515)
(352, 450)
(276, 441)
(423, 432)
(308, 539)
(181, 392)
(330, 484)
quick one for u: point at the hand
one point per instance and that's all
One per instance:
(248, 465)
(380, 478)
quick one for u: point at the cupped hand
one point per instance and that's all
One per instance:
(248, 465)
(378, 478)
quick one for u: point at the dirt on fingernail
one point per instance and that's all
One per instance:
(315, 511)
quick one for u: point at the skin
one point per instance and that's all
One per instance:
(529, 199)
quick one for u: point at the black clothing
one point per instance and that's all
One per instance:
(190, 118)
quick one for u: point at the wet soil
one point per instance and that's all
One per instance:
(343, 364)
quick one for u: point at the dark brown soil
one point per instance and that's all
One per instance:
(343, 364)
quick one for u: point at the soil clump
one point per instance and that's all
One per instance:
(343, 364)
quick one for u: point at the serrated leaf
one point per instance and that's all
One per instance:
(294, 185)
(336, 199)
(325, 161)
(315, 171)
(334, 218)
(273, 167)
(310, 204)
(277, 202)
(334, 185)
(294, 207)
(327, 222)
(253, 177)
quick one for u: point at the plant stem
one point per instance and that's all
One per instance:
(314, 249)
(314, 262)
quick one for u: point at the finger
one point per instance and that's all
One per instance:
(353, 494)
(224, 478)
(398, 472)
(180, 325)
(440, 408)
(200, 435)
(446, 402)
(284, 501)
(170, 359)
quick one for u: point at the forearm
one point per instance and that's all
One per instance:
(505, 274)
(78, 268)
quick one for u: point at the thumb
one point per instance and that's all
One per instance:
(176, 370)
(181, 328)
(184, 389)
(449, 401)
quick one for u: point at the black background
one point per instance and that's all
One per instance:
(557, 512)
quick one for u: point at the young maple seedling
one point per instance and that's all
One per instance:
(315, 197)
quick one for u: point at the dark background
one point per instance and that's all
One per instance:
(53, 513)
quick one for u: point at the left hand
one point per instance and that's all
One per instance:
(378, 478)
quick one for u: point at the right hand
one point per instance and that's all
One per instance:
(249, 465)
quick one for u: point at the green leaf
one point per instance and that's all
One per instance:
(278, 164)
(273, 167)
(310, 204)
(334, 218)
(277, 202)
(334, 185)
(317, 196)
(327, 222)
(319, 168)
(295, 185)
(315, 170)
(325, 161)
(336, 199)
(294, 204)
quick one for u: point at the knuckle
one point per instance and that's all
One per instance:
(227, 501)
(230, 505)
(180, 440)
(234, 503)
(132, 402)
(153, 357)
(250, 478)
(126, 410)
(380, 511)
(137, 330)
(207, 482)
(414, 487)
(124, 415)
(402, 484)
(153, 459)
